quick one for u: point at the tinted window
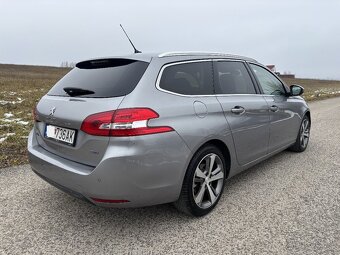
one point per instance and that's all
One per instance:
(232, 78)
(269, 83)
(105, 78)
(188, 78)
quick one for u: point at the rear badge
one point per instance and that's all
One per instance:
(52, 111)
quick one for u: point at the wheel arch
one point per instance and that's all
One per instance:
(223, 148)
(307, 113)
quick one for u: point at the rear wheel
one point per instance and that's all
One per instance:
(203, 183)
(303, 137)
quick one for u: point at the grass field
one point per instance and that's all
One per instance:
(317, 89)
(22, 87)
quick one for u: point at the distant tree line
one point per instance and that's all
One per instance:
(68, 64)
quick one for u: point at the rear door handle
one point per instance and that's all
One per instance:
(238, 110)
(274, 108)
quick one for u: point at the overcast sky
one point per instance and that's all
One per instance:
(300, 36)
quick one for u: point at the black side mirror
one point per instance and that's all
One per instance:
(296, 90)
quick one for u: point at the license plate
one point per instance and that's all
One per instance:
(61, 134)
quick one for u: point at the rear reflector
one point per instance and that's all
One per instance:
(123, 122)
(99, 200)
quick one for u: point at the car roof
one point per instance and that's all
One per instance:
(178, 55)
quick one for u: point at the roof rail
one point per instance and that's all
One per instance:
(190, 53)
(201, 53)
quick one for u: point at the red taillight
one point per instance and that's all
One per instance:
(122, 122)
(98, 124)
(35, 114)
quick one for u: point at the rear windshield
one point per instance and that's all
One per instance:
(101, 78)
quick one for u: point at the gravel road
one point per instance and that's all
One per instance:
(289, 204)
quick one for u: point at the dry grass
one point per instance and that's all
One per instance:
(22, 87)
(317, 89)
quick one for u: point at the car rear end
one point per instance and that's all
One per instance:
(85, 144)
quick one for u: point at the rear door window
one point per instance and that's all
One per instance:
(194, 78)
(232, 77)
(101, 78)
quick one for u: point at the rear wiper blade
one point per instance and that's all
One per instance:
(77, 91)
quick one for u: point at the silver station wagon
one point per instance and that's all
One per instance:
(148, 129)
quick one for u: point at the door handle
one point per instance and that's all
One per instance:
(274, 108)
(238, 110)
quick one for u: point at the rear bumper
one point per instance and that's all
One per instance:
(147, 172)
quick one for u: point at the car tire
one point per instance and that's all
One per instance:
(302, 139)
(203, 182)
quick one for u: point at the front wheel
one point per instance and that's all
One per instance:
(303, 137)
(203, 183)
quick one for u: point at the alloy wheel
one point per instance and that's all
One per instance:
(304, 133)
(208, 181)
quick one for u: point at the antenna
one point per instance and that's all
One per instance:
(136, 51)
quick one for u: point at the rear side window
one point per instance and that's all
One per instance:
(232, 78)
(188, 78)
(101, 78)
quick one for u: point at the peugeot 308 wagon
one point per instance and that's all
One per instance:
(148, 129)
